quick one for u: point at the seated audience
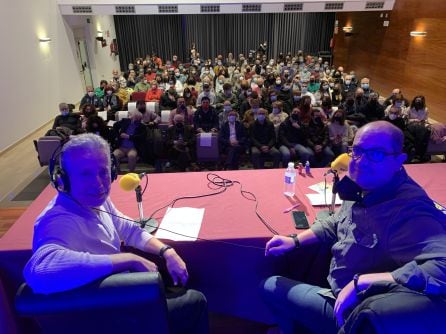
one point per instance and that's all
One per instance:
(391, 98)
(418, 112)
(95, 124)
(90, 98)
(225, 95)
(154, 93)
(233, 140)
(277, 116)
(372, 110)
(180, 143)
(67, 119)
(318, 141)
(149, 117)
(142, 85)
(87, 111)
(206, 93)
(189, 97)
(100, 91)
(293, 138)
(263, 141)
(129, 135)
(168, 100)
(377, 237)
(78, 237)
(338, 132)
(205, 117)
(182, 109)
(110, 103)
(365, 85)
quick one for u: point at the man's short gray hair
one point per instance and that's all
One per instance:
(85, 142)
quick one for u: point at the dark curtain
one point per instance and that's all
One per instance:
(139, 35)
(221, 33)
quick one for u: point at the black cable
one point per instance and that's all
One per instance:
(177, 233)
(223, 184)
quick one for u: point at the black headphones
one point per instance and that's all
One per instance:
(59, 178)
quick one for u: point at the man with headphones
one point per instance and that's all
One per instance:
(77, 238)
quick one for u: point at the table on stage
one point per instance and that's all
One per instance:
(228, 261)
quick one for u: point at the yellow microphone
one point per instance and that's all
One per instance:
(130, 181)
(339, 164)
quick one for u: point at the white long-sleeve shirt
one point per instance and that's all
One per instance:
(72, 244)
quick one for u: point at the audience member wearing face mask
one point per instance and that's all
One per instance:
(233, 140)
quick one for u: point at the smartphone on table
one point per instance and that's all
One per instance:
(300, 220)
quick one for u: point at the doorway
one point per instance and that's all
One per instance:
(82, 55)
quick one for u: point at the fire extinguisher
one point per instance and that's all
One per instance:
(114, 47)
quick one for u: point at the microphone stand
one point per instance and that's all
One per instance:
(150, 225)
(324, 214)
(334, 191)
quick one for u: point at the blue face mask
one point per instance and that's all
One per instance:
(296, 98)
(365, 86)
(231, 119)
(261, 117)
(273, 98)
(304, 90)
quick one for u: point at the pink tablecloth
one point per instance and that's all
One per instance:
(227, 273)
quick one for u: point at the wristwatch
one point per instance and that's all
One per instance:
(295, 239)
(164, 249)
(355, 282)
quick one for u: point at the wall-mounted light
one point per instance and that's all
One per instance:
(347, 29)
(418, 33)
(99, 36)
(44, 39)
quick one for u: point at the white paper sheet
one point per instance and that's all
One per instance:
(321, 199)
(205, 139)
(184, 221)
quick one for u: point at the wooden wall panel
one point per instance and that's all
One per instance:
(392, 58)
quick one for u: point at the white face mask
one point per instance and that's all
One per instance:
(91, 94)
(393, 117)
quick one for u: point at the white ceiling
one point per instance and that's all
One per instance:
(140, 7)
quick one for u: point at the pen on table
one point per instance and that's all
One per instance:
(291, 208)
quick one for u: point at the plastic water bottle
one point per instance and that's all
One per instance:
(290, 180)
(307, 168)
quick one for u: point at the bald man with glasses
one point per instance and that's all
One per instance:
(389, 232)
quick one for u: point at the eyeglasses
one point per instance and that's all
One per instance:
(374, 155)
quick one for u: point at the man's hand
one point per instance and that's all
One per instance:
(176, 267)
(279, 245)
(346, 301)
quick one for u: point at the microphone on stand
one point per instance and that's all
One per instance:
(129, 182)
(338, 165)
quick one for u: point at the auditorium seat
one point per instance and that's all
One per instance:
(121, 303)
(45, 147)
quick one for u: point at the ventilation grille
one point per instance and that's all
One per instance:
(167, 9)
(82, 10)
(374, 5)
(254, 7)
(334, 5)
(125, 9)
(291, 7)
(210, 8)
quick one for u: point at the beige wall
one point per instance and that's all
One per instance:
(35, 76)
